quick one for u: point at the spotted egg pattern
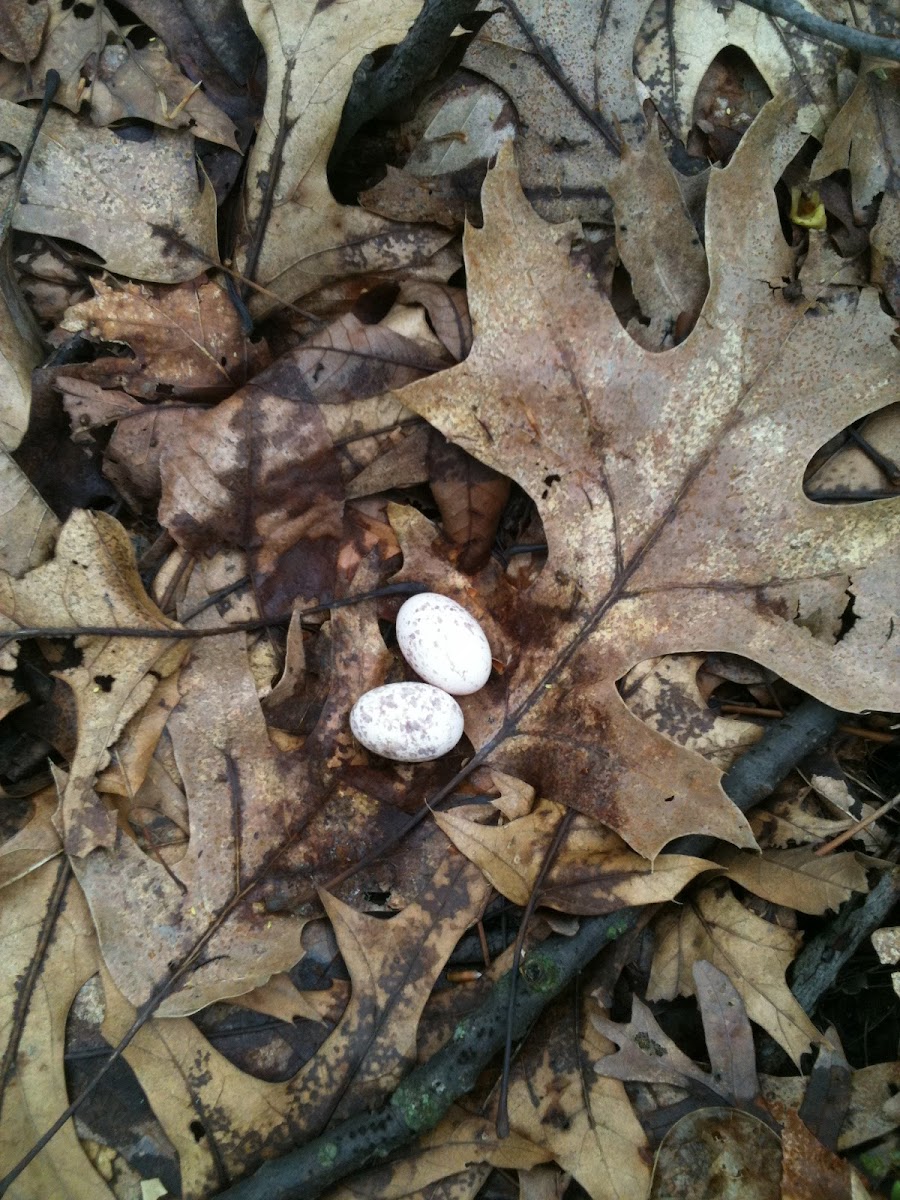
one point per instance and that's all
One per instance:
(443, 643)
(407, 722)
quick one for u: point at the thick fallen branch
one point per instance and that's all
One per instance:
(427, 1093)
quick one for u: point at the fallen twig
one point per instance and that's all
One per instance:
(817, 27)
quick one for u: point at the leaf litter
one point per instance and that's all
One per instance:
(597, 440)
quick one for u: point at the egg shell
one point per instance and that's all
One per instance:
(408, 722)
(443, 643)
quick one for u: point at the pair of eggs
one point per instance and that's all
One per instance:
(417, 722)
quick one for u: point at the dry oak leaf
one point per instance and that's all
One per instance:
(307, 237)
(244, 800)
(670, 488)
(593, 872)
(753, 953)
(34, 1090)
(187, 340)
(557, 1100)
(145, 207)
(393, 967)
(93, 580)
(797, 878)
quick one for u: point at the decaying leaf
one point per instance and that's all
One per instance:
(393, 966)
(296, 235)
(662, 483)
(753, 953)
(34, 1093)
(559, 1101)
(187, 340)
(93, 580)
(594, 871)
(797, 878)
(27, 526)
(141, 206)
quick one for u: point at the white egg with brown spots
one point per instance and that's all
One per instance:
(408, 722)
(443, 643)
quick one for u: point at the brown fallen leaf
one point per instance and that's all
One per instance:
(244, 800)
(797, 877)
(296, 236)
(144, 84)
(93, 579)
(647, 1054)
(677, 48)
(22, 28)
(666, 694)
(558, 1101)
(29, 527)
(471, 498)
(661, 483)
(393, 966)
(158, 221)
(593, 872)
(35, 843)
(753, 953)
(33, 1088)
(658, 245)
(187, 340)
(259, 473)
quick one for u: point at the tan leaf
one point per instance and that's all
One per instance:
(661, 483)
(20, 353)
(140, 206)
(93, 579)
(658, 244)
(678, 47)
(851, 471)
(594, 870)
(35, 1091)
(187, 340)
(797, 878)
(69, 40)
(143, 83)
(790, 820)
(35, 843)
(27, 525)
(665, 694)
(863, 137)
(557, 1101)
(753, 953)
(244, 799)
(281, 998)
(308, 238)
(393, 966)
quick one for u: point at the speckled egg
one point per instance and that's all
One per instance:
(443, 643)
(408, 722)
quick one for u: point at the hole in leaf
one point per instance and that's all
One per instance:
(197, 1131)
(105, 682)
(730, 95)
(860, 463)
